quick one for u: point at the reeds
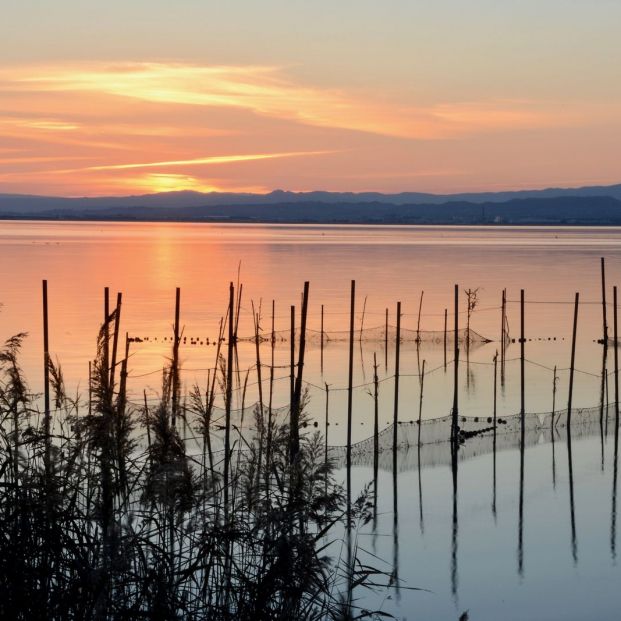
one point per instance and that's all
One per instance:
(105, 515)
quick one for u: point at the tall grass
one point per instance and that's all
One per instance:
(126, 524)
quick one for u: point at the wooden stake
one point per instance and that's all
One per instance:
(503, 346)
(350, 375)
(395, 418)
(375, 413)
(321, 364)
(364, 310)
(46, 383)
(522, 344)
(295, 423)
(604, 318)
(257, 321)
(229, 397)
(148, 425)
(445, 327)
(455, 370)
(106, 340)
(420, 308)
(522, 440)
(175, 360)
(616, 336)
(327, 421)
(495, 386)
(494, 437)
(386, 341)
(268, 456)
(115, 343)
(292, 358)
(573, 358)
(420, 403)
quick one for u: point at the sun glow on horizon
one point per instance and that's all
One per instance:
(153, 183)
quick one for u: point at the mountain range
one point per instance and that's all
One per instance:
(584, 205)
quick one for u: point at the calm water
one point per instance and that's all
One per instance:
(477, 566)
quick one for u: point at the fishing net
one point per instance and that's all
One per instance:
(378, 334)
(476, 436)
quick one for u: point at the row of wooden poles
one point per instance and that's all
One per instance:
(296, 378)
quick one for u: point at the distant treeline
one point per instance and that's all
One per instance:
(564, 210)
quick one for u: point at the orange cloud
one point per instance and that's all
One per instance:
(93, 128)
(267, 91)
(217, 159)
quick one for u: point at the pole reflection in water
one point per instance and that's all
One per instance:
(613, 512)
(420, 424)
(572, 514)
(602, 401)
(395, 525)
(522, 422)
(494, 439)
(613, 517)
(455, 523)
(553, 427)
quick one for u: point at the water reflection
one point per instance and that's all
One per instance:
(572, 511)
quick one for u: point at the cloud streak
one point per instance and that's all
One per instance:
(93, 128)
(209, 161)
(268, 91)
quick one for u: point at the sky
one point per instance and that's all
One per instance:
(140, 96)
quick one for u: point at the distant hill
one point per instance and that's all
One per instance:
(587, 205)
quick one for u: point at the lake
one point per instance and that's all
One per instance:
(545, 548)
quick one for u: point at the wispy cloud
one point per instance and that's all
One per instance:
(92, 128)
(211, 160)
(270, 92)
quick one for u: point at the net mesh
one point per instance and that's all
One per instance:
(377, 334)
(477, 436)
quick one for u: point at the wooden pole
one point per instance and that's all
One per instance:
(106, 340)
(90, 388)
(364, 310)
(321, 363)
(327, 421)
(553, 427)
(616, 336)
(395, 418)
(494, 436)
(455, 369)
(261, 418)
(229, 397)
(147, 425)
(292, 358)
(613, 526)
(268, 457)
(420, 308)
(604, 317)
(502, 327)
(522, 440)
(445, 327)
(115, 342)
(175, 361)
(46, 383)
(420, 403)
(386, 341)
(295, 424)
(503, 331)
(495, 386)
(573, 359)
(522, 344)
(375, 412)
(350, 375)
(237, 312)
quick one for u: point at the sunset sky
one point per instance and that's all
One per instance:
(140, 96)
